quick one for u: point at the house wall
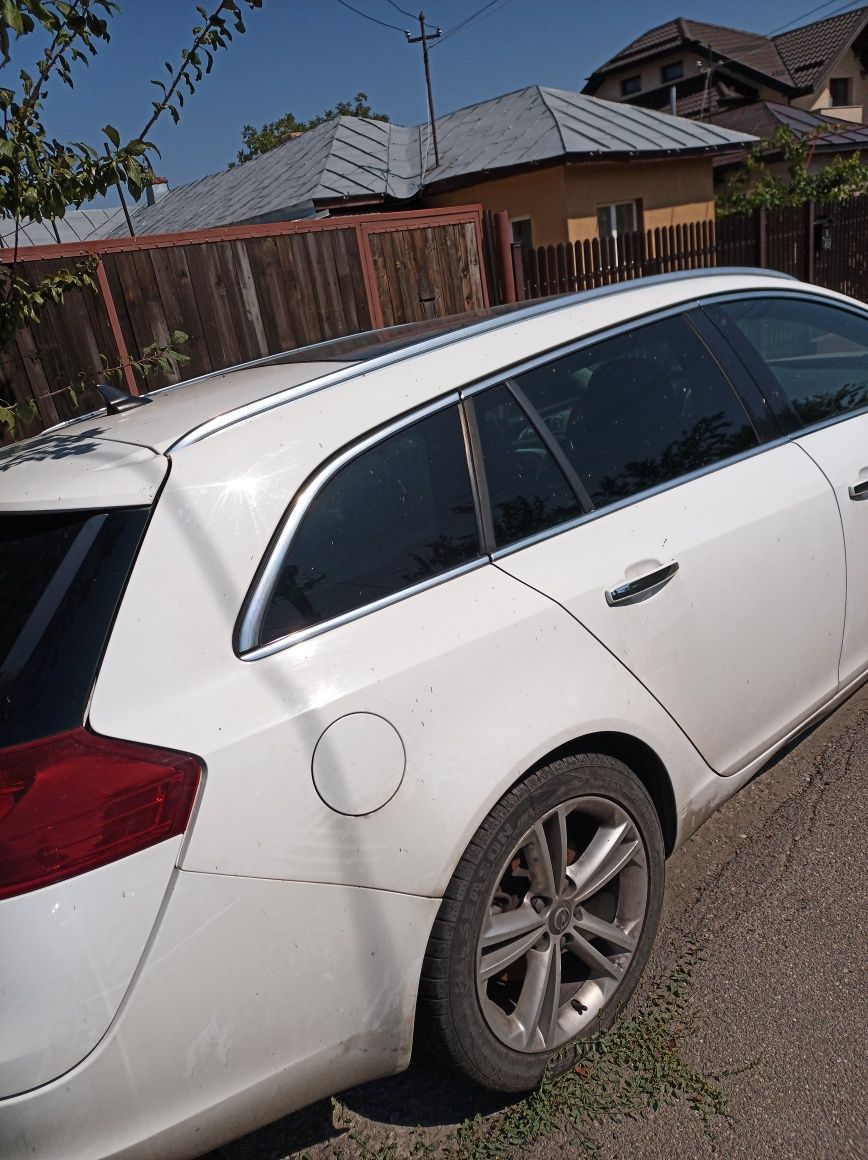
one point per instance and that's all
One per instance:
(672, 192)
(539, 194)
(562, 201)
(650, 72)
(820, 100)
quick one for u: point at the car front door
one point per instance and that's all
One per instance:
(811, 359)
(712, 568)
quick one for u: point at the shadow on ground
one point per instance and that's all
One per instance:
(426, 1095)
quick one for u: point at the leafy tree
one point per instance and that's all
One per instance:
(274, 133)
(755, 184)
(40, 177)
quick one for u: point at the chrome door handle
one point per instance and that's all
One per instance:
(859, 490)
(643, 585)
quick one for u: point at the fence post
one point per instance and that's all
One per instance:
(762, 238)
(115, 324)
(518, 278)
(809, 242)
(503, 243)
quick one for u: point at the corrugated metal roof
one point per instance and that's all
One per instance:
(349, 157)
(354, 158)
(77, 225)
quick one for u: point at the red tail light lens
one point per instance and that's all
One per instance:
(75, 801)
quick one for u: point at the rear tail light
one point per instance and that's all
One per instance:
(75, 801)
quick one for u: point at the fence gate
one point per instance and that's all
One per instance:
(426, 270)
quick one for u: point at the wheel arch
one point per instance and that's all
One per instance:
(640, 759)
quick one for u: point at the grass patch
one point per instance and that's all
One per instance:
(615, 1075)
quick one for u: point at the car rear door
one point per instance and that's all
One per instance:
(811, 359)
(710, 565)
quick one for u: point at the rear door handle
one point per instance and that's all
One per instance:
(643, 585)
(859, 490)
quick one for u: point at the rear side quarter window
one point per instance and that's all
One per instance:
(397, 514)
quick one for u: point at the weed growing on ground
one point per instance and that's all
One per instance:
(613, 1075)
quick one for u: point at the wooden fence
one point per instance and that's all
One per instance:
(823, 244)
(240, 293)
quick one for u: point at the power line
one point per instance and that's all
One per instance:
(373, 19)
(812, 11)
(404, 11)
(474, 17)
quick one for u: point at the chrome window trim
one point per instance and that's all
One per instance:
(353, 370)
(639, 496)
(264, 584)
(284, 642)
(846, 307)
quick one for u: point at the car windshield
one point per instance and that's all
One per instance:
(61, 575)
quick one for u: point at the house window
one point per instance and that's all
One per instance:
(522, 232)
(631, 85)
(839, 91)
(615, 220)
(672, 72)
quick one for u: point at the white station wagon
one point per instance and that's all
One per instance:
(369, 686)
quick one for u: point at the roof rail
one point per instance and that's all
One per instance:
(522, 310)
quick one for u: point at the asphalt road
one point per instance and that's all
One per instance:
(775, 889)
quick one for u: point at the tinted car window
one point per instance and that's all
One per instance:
(639, 409)
(817, 353)
(399, 513)
(61, 576)
(526, 488)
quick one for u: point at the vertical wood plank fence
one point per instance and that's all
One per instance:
(240, 293)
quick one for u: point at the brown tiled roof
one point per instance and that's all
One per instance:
(795, 60)
(809, 51)
(755, 52)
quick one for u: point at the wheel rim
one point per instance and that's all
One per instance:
(562, 924)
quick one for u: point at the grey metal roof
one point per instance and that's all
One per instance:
(353, 158)
(77, 225)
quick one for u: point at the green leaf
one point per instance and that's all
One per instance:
(113, 135)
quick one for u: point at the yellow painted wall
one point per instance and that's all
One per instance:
(538, 194)
(672, 192)
(562, 201)
(820, 100)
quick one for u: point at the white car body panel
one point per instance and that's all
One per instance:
(841, 452)
(69, 953)
(756, 542)
(518, 656)
(88, 471)
(255, 998)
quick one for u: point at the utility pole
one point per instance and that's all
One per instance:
(423, 39)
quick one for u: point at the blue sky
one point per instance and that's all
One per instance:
(304, 55)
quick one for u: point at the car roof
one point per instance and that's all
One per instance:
(186, 413)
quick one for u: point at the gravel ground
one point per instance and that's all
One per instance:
(775, 890)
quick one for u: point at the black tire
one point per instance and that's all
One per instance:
(476, 1023)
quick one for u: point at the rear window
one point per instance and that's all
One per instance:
(61, 577)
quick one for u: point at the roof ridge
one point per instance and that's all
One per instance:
(554, 116)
